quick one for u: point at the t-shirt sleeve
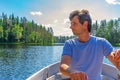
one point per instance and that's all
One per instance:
(67, 49)
(107, 48)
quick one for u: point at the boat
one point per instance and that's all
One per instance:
(51, 72)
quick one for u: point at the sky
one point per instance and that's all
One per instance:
(55, 13)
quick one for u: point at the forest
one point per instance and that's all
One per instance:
(20, 30)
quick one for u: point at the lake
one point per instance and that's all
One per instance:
(18, 62)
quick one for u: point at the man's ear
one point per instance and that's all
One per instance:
(85, 24)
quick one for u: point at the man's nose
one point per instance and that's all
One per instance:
(71, 27)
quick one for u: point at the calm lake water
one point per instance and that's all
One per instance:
(18, 62)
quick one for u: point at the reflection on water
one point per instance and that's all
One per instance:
(17, 62)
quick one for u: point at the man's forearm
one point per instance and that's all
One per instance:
(64, 69)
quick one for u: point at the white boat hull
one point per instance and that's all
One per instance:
(51, 72)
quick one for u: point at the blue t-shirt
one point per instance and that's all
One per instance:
(88, 56)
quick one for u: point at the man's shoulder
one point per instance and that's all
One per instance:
(98, 38)
(71, 40)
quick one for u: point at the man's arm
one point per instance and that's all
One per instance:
(64, 65)
(114, 57)
(65, 70)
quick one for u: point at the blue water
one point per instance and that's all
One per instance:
(19, 62)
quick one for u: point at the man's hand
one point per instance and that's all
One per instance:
(116, 56)
(78, 76)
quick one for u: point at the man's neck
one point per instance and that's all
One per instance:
(84, 38)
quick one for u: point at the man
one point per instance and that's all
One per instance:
(83, 56)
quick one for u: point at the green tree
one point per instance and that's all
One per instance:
(17, 32)
(1, 32)
(5, 27)
(34, 36)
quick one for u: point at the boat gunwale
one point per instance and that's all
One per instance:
(55, 67)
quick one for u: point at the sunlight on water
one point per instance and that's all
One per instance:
(19, 62)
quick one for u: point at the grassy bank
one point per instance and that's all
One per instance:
(13, 43)
(20, 43)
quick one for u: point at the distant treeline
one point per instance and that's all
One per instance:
(62, 39)
(15, 29)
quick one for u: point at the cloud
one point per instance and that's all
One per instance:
(36, 13)
(113, 2)
(48, 25)
(66, 21)
(55, 21)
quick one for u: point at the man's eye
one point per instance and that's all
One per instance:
(73, 23)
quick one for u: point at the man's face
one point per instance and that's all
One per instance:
(76, 26)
